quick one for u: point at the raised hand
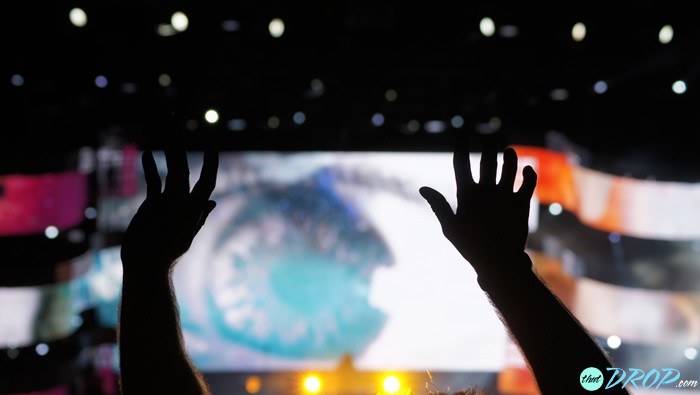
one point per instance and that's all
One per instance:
(167, 221)
(490, 229)
(152, 354)
(491, 220)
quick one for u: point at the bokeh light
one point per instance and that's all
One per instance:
(253, 384)
(666, 34)
(77, 17)
(179, 21)
(312, 384)
(487, 27)
(276, 28)
(391, 384)
(211, 116)
(578, 31)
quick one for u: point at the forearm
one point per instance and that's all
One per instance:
(557, 347)
(153, 358)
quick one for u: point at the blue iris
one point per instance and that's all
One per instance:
(308, 286)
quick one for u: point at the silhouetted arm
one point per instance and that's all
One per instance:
(490, 230)
(153, 358)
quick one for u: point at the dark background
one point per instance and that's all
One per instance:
(431, 53)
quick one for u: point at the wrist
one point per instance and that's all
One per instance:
(505, 270)
(148, 270)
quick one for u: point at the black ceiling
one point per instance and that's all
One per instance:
(431, 53)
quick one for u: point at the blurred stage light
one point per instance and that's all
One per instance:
(487, 27)
(237, 124)
(666, 34)
(614, 237)
(509, 31)
(679, 87)
(101, 81)
(555, 209)
(378, 119)
(600, 87)
(457, 122)
(691, 353)
(276, 28)
(614, 342)
(391, 384)
(413, 126)
(559, 94)
(312, 384)
(317, 86)
(90, 213)
(51, 232)
(211, 116)
(164, 80)
(435, 126)
(76, 236)
(77, 17)
(273, 122)
(17, 80)
(253, 384)
(165, 30)
(41, 349)
(299, 118)
(230, 25)
(12, 353)
(179, 21)
(578, 32)
(391, 95)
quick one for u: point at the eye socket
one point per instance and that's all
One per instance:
(301, 289)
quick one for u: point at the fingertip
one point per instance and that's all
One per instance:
(428, 193)
(529, 180)
(529, 171)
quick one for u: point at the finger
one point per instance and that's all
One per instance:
(208, 208)
(509, 170)
(440, 207)
(488, 165)
(529, 182)
(462, 168)
(207, 177)
(178, 178)
(150, 171)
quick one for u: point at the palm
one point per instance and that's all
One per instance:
(166, 223)
(491, 219)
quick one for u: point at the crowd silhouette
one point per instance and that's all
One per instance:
(489, 229)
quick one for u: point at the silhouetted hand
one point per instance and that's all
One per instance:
(491, 222)
(167, 221)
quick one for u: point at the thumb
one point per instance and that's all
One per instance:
(440, 206)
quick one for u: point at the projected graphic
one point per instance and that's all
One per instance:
(29, 315)
(311, 256)
(297, 257)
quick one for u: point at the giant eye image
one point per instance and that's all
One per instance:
(311, 257)
(291, 272)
